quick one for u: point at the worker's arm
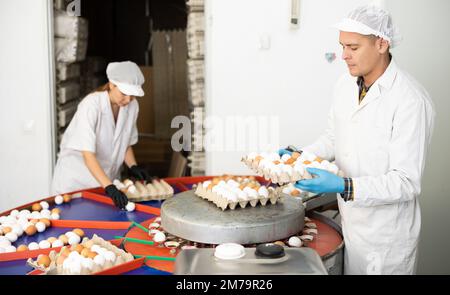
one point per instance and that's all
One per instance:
(96, 170)
(411, 134)
(130, 159)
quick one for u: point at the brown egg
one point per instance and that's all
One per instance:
(6, 230)
(289, 161)
(242, 186)
(36, 207)
(210, 186)
(89, 244)
(77, 248)
(34, 221)
(92, 255)
(64, 251)
(85, 252)
(318, 160)
(56, 210)
(22, 248)
(276, 162)
(51, 240)
(64, 239)
(67, 198)
(252, 178)
(307, 162)
(295, 193)
(60, 259)
(215, 181)
(30, 230)
(79, 232)
(46, 221)
(280, 243)
(295, 155)
(44, 260)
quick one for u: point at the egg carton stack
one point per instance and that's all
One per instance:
(138, 191)
(93, 76)
(231, 192)
(288, 168)
(71, 39)
(196, 83)
(89, 257)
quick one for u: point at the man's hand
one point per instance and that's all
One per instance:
(119, 198)
(323, 182)
(139, 173)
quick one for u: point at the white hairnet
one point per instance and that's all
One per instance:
(371, 20)
(127, 76)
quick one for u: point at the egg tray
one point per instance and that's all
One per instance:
(284, 177)
(223, 203)
(53, 269)
(156, 190)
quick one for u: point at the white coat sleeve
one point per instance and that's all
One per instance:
(83, 128)
(411, 133)
(324, 146)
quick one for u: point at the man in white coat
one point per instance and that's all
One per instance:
(380, 126)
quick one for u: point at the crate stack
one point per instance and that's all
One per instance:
(196, 83)
(71, 39)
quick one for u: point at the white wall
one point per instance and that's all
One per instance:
(291, 80)
(425, 54)
(25, 114)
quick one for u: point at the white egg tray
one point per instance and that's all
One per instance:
(221, 200)
(138, 191)
(287, 169)
(121, 257)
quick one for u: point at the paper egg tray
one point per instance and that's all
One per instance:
(139, 192)
(223, 203)
(121, 258)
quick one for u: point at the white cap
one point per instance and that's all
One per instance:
(127, 77)
(371, 20)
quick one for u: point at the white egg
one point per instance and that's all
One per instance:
(132, 190)
(287, 190)
(54, 216)
(206, 184)
(95, 248)
(4, 242)
(130, 206)
(158, 219)
(222, 183)
(25, 213)
(242, 196)
(73, 240)
(274, 157)
(44, 205)
(33, 246)
(36, 215)
(40, 226)
(252, 156)
(44, 244)
(46, 213)
(87, 263)
(2, 250)
(2, 219)
(17, 229)
(287, 169)
(159, 237)
(154, 225)
(59, 200)
(262, 191)
(57, 244)
(14, 213)
(109, 256)
(295, 242)
(74, 255)
(12, 237)
(75, 268)
(285, 157)
(99, 260)
(10, 249)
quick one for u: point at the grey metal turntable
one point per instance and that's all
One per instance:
(189, 217)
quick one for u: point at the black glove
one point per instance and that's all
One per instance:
(139, 173)
(119, 198)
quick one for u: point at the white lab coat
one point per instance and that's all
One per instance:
(93, 129)
(382, 144)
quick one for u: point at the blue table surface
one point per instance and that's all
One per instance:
(84, 209)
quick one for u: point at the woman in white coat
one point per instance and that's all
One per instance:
(380, 127)
(99, 139)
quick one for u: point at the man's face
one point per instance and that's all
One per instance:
(360, 52)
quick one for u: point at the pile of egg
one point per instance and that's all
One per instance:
(287, 168)
(91, 256)
(292, 191)
(17, 223)
(230, 191)
(306, 236)
(137, 191)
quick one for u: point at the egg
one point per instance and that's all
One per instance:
(77, 247)
(34, 221)
(12, 237)
(65, 251)
(30, 230)
(99, 260)
(154, 225)
(64, 239)
(285, 157)
(57, 243)
(44, 261)
(88, 244)
(2, 250)
(73, 240)
(10, 249)
(280, 243)
(92, 255)
(157, 219)
(36, 207)
(295, 155)
(95, 248)
(44, 244)
(22, 248)
(130, 207)
(24, 213)
(85, 252)
(295, 242)
(59, 200)
(79, 232)
(87, 263)
(45, 221)
(7, 230)
(67, 198)
(56, 210)
(45, 213)
(60, 259)
(14, 213)
(40, 227)
(109, 256)
(54, 216)
(17, 229)
(44, 205)
(159, 237)
(33, 246)
(4, 242)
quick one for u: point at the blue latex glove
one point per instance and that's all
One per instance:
(324, 182)
(282, 152)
